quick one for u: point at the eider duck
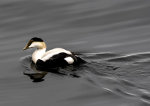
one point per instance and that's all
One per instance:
(54, 58)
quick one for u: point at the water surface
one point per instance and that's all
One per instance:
(112, 36)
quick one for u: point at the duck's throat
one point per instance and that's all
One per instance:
(38, 54)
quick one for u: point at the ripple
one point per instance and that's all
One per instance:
(131, 57)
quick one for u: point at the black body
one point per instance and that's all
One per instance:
(57, 61)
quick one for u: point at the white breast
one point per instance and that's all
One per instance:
(53, 52)
(38, 54)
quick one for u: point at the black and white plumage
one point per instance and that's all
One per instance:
(54, 58)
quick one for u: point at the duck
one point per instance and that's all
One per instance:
(54, 58)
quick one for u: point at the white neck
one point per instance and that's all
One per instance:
(38, 54)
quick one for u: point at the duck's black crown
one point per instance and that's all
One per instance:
(36, 39)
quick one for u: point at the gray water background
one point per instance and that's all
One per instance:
(112, 35)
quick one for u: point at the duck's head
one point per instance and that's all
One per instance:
(35, 43)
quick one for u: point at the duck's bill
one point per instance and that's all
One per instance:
(28, 44)
(26, 47)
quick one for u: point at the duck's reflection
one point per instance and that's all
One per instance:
(36, 75)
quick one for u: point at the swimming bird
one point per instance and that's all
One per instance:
(54, 58)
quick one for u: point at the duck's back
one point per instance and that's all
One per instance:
(49, 54)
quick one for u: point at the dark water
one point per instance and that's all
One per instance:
(112, 35)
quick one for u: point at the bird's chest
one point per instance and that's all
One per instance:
(38, 54)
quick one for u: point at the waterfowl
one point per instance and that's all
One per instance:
(54, 58)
